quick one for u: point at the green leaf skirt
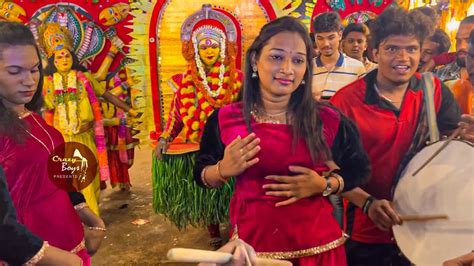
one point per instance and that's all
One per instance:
(177, 196)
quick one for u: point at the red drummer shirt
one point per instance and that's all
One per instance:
(387, 133)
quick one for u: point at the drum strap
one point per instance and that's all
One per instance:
(427, 83)
(427, 127)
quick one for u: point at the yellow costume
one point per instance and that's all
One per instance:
(69, 101)
(85, 135)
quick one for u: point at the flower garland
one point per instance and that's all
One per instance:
(214, 79)
(213, 92)
(122, 127)
(194, 105)
(98, 128)
(68, 121)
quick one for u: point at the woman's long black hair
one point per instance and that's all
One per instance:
(17, 34)
(302, 108)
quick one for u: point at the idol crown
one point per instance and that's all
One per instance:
(55, 38)
(209, 32)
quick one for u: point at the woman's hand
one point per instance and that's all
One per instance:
(467, 125)
(465, 260)
(94, 229)
(240, 155)
(383, 215)
(93, 239)
(242, 253)
(54, 256)
(161, 148)
(306, 184)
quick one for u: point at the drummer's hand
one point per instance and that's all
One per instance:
(161, 148)
(242, 253)
(306, 184)
(383, 215)
(240, 155)
(465, 260)
(467, 125)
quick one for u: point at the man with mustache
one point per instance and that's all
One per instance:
(438, 43)
(457, 70)
(332, 70)
(463, 89)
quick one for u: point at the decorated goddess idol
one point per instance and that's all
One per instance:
(71, 100)
(210, 81)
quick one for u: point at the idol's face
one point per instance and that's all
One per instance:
(63, 60)
(209, 51)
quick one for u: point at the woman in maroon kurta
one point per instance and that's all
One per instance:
(278, 142)
(26, 141)
(41, 206)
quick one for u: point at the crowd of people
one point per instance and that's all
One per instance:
(314, 143)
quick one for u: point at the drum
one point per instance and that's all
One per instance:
(445, 186)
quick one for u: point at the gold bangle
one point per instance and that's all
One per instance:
(203, 178)
(97, 228)
(39, 255)
(218, 172)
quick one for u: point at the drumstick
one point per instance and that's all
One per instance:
(197, 255)
(422, 218)
(439, 150)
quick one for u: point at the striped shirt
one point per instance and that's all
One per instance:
(327, 82)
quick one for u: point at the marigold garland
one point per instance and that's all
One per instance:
(98, 128)
(197, 105)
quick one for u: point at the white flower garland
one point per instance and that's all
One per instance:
(67, 117)
(200, 67)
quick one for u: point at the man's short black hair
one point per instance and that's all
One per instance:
(357, 27)
(429, 12)
(471, 38)
(397, 21)
(467, 20)
(440, 37)
(327, 22)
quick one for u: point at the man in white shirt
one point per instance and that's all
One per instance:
(333, 70)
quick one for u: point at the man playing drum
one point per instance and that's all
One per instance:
(388, 107)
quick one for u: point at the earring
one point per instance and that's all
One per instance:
(303, 82)
(254, 73)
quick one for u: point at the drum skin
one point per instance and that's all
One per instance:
(444, 187)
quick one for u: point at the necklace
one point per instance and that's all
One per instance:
(273, 115)
(40, 141)
(383, 96)
(24, 113)
(264, 117)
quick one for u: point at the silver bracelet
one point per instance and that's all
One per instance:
(97, 228)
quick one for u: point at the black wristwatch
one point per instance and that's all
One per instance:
(368, 202)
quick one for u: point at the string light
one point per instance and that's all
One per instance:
(470, 11)
(452, 25)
